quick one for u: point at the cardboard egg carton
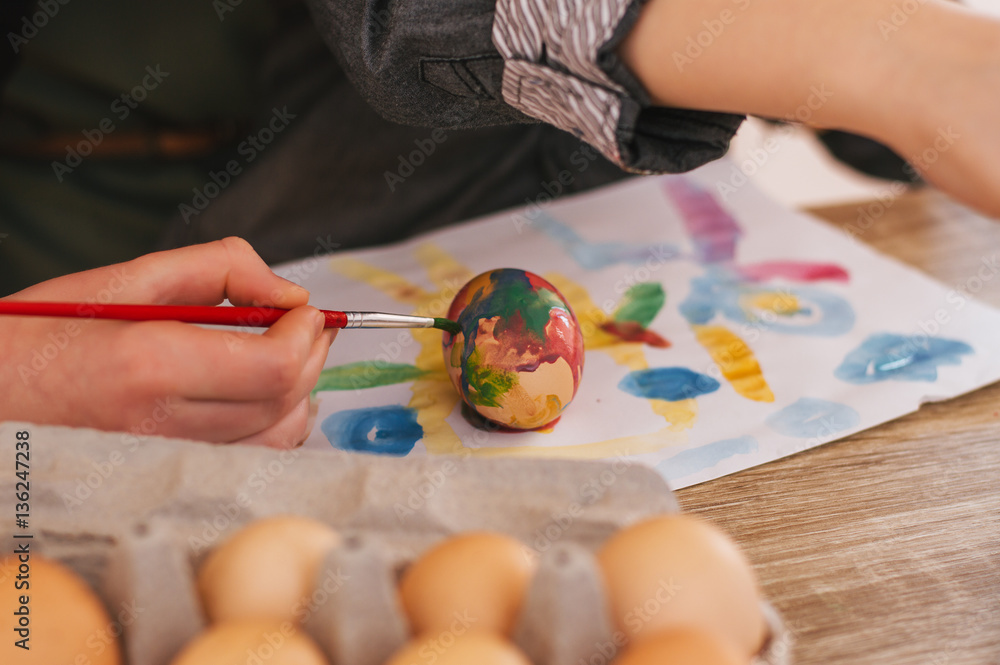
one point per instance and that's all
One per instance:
(136, 518)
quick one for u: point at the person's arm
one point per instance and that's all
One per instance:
(922, 77)
(167, 378)
(658, 86)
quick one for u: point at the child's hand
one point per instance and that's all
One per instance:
(163, 377)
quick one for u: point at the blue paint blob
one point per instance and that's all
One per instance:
(885, 356)
(668, 383)
(813, 418)
(691, 461)
(389, 430)
(721, 291)
(593, 255)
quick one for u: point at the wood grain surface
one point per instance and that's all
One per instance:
(884, 547)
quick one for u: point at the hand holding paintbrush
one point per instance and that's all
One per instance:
(164, 378)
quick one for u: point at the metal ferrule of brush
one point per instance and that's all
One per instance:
(383, 320)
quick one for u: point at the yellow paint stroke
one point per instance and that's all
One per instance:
(442, 269)
(681, 414)
(782, 304)
(434, 398)
(736, 360)
(389, 283)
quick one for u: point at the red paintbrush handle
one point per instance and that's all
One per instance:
(255, 317)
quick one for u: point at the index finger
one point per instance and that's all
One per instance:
(208, 273)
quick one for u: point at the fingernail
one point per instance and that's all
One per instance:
(319, 320)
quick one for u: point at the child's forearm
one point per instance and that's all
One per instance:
(847, 61)
(906, 72)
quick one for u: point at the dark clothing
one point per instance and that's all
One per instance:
(321, 159)
(346, 172)
(343, 174)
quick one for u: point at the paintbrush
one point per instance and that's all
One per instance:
(256, 317)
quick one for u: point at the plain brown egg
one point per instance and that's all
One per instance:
(267, 570)
(469, 648)
(66, 621)
(678, 571)
(681, 647)
(478, 579)
(247, 641)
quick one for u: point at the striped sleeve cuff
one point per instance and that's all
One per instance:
(551, 70)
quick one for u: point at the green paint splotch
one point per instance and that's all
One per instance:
(366, 374)
(641, 304)
(636, 311)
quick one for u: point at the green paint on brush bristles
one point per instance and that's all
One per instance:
(447, 325)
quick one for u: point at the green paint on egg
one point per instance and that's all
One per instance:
(487, 385)
(518, 359)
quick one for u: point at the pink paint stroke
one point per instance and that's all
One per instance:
(712, 229)
(800, 271)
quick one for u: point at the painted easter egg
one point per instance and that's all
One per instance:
(518, 358)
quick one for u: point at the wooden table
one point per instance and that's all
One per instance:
(884, 547)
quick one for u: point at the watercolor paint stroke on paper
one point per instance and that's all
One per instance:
(726, 346)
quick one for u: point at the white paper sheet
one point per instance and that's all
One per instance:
(844, 338)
